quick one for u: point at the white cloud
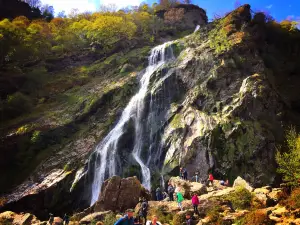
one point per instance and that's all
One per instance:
(121, 3)
(269, 6)
(67, 5)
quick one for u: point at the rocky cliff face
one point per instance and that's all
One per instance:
(222, 105)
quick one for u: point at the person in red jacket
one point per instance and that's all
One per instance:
(211, 179)
(195, 202)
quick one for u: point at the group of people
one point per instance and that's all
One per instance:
(129, 219)
(66, 219)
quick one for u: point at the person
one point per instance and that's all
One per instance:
(211, 179)
(143, 210)
(227, 183)
(181, 173)
(189, 219)
(165, 196)
(127, 219)
(154, 221)
(196, 177)
(171, 192)
(222, 182)
(195, 203)
(185, 174)
(137, 221)
(158, 194)
(179, 200)
(66, 219)
(51, 219)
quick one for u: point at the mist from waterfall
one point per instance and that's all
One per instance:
(104, 164)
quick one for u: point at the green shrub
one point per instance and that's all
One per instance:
(289, 161)
(241, 198)
(17, 104)
(109, 219)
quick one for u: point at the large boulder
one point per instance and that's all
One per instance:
(98, 216)
(240, 182)
(9, 217)
(188, 188)
(119, 194)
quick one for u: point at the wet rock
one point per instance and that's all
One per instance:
(98, 216)
(120, 194)
(240, 182)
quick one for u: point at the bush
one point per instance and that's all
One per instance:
(17, 104)
(109, 219)
(241, 198)
(294, 200)
(214, 214)
(289, 161)
(255, 217)
(163, 215)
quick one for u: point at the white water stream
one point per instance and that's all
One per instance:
(105, 163)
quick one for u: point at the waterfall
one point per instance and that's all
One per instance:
(197, 28)
(103, 161)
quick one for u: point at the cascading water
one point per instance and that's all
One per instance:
(104, 158)
(197, 28)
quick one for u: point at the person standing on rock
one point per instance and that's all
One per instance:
(195, 202)
(171, 192)
(179, 200)
(51, 219)
(143, 212)
(185, 174)
(126, 220)
(154, 221)
(211, 179)
(181, 173)
(66, 219)
(158, 194)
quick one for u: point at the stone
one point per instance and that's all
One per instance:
(263, 190)
(188, 188)
(279, 212)
(98, 216)
(240, 182)
(119, 194)
(9, 217)
(276, 194)
(58, 221)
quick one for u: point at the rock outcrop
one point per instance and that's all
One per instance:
(119, 194)
(188, 188)
(184, 16)
(18, 219)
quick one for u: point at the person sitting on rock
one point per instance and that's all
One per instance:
(195, 203)
(159, 196)
(226, 183)
(127, 219)
(143, 212)
(51, 219)
(171, 192)
(154, 221)
(180, 200)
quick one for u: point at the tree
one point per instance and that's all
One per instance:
(289, 161)
(61, 14)
(47, 12)
(108, 8)
(34, 3)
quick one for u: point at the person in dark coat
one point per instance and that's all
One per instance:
(171, 191)
(126, 220)
(159, 195)
(143, 212)
(66, 219)
(185, 174)
(51, 219)
(189, 219)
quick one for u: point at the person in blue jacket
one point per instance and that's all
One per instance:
(127, 219)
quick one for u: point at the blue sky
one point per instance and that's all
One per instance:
(280, 9)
